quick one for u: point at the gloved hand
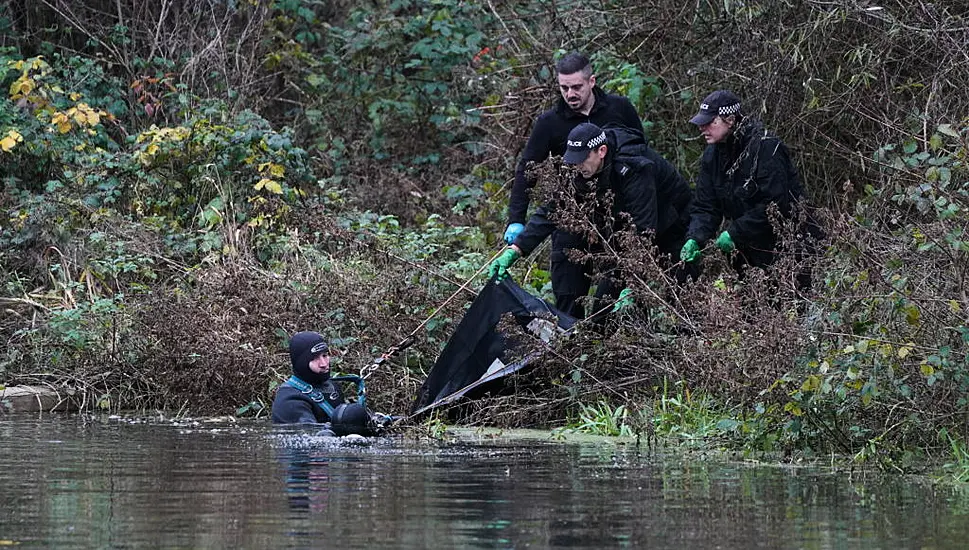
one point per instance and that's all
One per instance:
(690, 251)
(382, 420)
(725, 243)
(499, 268)
(625, 300)
(512, 232)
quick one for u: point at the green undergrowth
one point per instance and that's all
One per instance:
(686, 422)
(171, 212)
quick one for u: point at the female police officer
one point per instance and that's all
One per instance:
(744, 170)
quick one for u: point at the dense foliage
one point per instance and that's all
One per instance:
(184, 184)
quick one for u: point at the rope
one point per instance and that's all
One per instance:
(409, 339)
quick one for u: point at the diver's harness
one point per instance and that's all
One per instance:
(345, 418)
(318, 396)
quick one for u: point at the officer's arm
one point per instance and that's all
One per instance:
(773, 185)
(639, 196)
(536, 150)
(538, 229)
(705, 214)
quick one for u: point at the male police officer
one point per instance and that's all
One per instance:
(645, 186)
(582, 101)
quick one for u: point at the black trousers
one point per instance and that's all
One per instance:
(571, 281)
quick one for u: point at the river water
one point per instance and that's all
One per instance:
(93, 482)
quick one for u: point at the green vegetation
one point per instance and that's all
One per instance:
(184, 185)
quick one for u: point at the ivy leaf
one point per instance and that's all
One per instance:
(948, 130)
(912, 315)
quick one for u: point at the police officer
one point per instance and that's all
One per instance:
(645, 186)
(743, 170)
(581, 101)
(309, 392)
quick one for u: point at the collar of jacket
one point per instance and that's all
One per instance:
(602, 100)
(743, 144)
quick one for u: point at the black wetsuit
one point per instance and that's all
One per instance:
(306, 396)
(295, 406)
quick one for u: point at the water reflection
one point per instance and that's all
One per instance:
(307, 481)
(80, 482)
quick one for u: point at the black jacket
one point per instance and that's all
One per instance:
(739, 178)
(550, 132)
(291, 406)
(645, 185)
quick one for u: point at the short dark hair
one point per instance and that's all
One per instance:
(573, 63)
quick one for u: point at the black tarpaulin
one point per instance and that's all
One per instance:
(478, 353)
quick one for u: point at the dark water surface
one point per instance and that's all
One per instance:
(83, 482)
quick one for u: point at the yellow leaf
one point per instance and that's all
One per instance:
(274, 187)
(885, 350)
(912, 315)
(927, 369)
(954, 306)
(811, 383)
(62, 122)
(905, 350)
(74, 96)
(9, 141)
(277, 170)
(793, 408)
(21, 87)
(269, 185)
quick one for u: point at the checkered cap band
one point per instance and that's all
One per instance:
(729, 109)
(596, 141)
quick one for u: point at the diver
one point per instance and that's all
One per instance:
(311, 396)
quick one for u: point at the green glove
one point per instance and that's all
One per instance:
(690, 251)
(625, 300)
(725, 243)
(499, 268)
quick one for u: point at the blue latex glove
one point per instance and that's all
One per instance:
(625, 300)
(499, 268)
(690, 251)
(725, 243)
(512, 232)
